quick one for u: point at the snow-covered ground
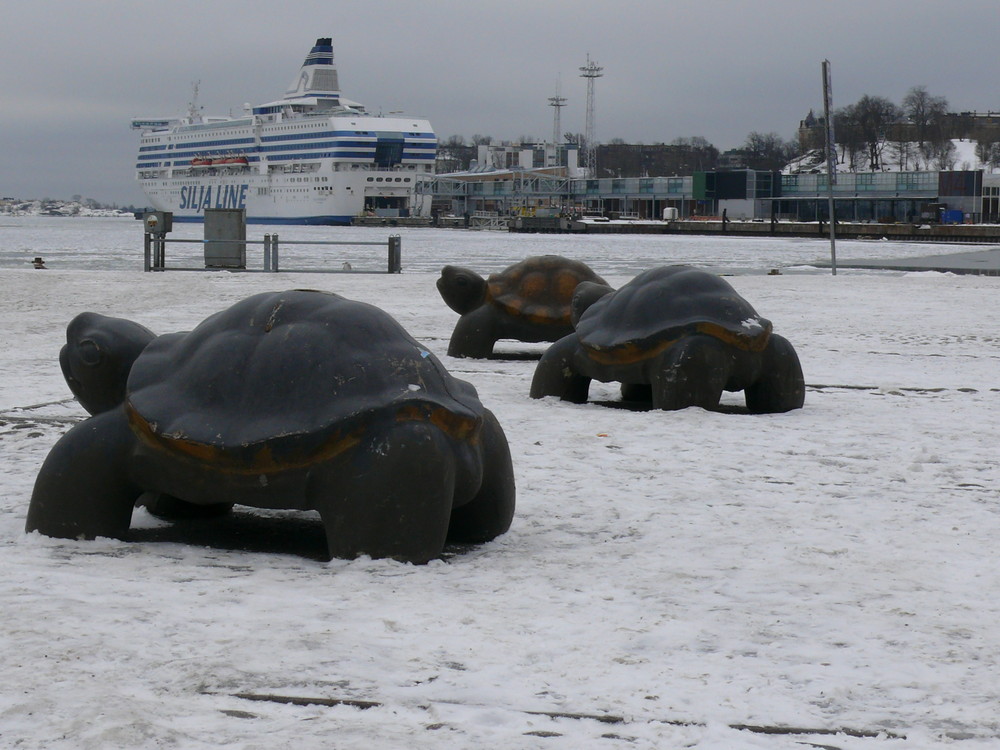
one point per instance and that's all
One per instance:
(692, 578)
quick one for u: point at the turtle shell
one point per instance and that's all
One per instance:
(539, 289)
(280, 380)
(659, 306)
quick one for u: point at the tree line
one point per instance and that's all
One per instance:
(873, 134)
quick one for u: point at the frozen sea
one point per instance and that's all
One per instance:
(823, 578)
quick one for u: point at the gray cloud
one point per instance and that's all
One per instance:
(74, 74)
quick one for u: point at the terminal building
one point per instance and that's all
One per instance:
(545, 180)
(885, 197)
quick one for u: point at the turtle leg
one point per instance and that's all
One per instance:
(781, 386)
(389, 496)
(490, 512)
(475, 334)
(555, 374)
(692, 372)
(83, 489)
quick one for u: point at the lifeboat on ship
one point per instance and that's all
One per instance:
(200, 162)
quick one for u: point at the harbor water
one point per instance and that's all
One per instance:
(116, 244)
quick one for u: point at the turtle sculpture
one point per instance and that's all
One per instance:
(291, 400)
(677, 335)
(529, 301)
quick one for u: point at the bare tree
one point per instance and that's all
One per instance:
(848, 135)
(923, 111)
(454, 155)
(696, 154)
(941, 154)
(768, 151)
(903, 151)
(985, 144)
(874, 115)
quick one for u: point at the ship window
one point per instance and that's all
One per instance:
(388, 153)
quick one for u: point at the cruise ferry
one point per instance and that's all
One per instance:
(313, 157)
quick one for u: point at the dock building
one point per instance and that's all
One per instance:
(518, 190)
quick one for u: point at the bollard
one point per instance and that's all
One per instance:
(267, 252)
(159, 262)
(395, 254)
(145, 252)
(274, 252)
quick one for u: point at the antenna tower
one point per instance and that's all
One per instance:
(590, 71)
(557, 102)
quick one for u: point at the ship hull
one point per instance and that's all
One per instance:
(326, 197)
(310, 158)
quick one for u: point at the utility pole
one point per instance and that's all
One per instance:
(557, 102)
(590, 71)
(831, 159)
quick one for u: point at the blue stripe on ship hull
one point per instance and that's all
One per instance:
(298, 220)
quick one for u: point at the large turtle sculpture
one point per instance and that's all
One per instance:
(677, 335)
(291, 400)
(529, 301)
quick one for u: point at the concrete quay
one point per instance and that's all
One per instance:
(945, 233)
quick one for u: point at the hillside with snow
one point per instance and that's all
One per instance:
(896, 158)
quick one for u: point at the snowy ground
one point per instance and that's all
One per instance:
(691, 578)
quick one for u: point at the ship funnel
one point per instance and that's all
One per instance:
(318, 75)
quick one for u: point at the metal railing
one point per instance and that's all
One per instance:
(154, 254)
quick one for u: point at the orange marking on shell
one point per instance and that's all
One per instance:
(747, 343)
(464, 429)
(564, 285)
(632, 352)
(261, 461)
(540, 293)
(626, 354)
(533, 285)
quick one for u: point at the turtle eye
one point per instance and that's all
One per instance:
(89, 352)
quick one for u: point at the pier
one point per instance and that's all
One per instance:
(901, 232)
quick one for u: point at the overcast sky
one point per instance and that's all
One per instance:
(73, 74)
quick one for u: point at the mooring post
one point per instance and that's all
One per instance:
(159, 253)
(274, 252)
(145, 252)
(267, 252)
(395, 254)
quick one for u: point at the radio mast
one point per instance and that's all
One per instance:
(590, 71)
(557, 102)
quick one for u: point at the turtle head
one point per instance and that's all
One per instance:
(98, 356)
(586, 294)
(463, 290)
